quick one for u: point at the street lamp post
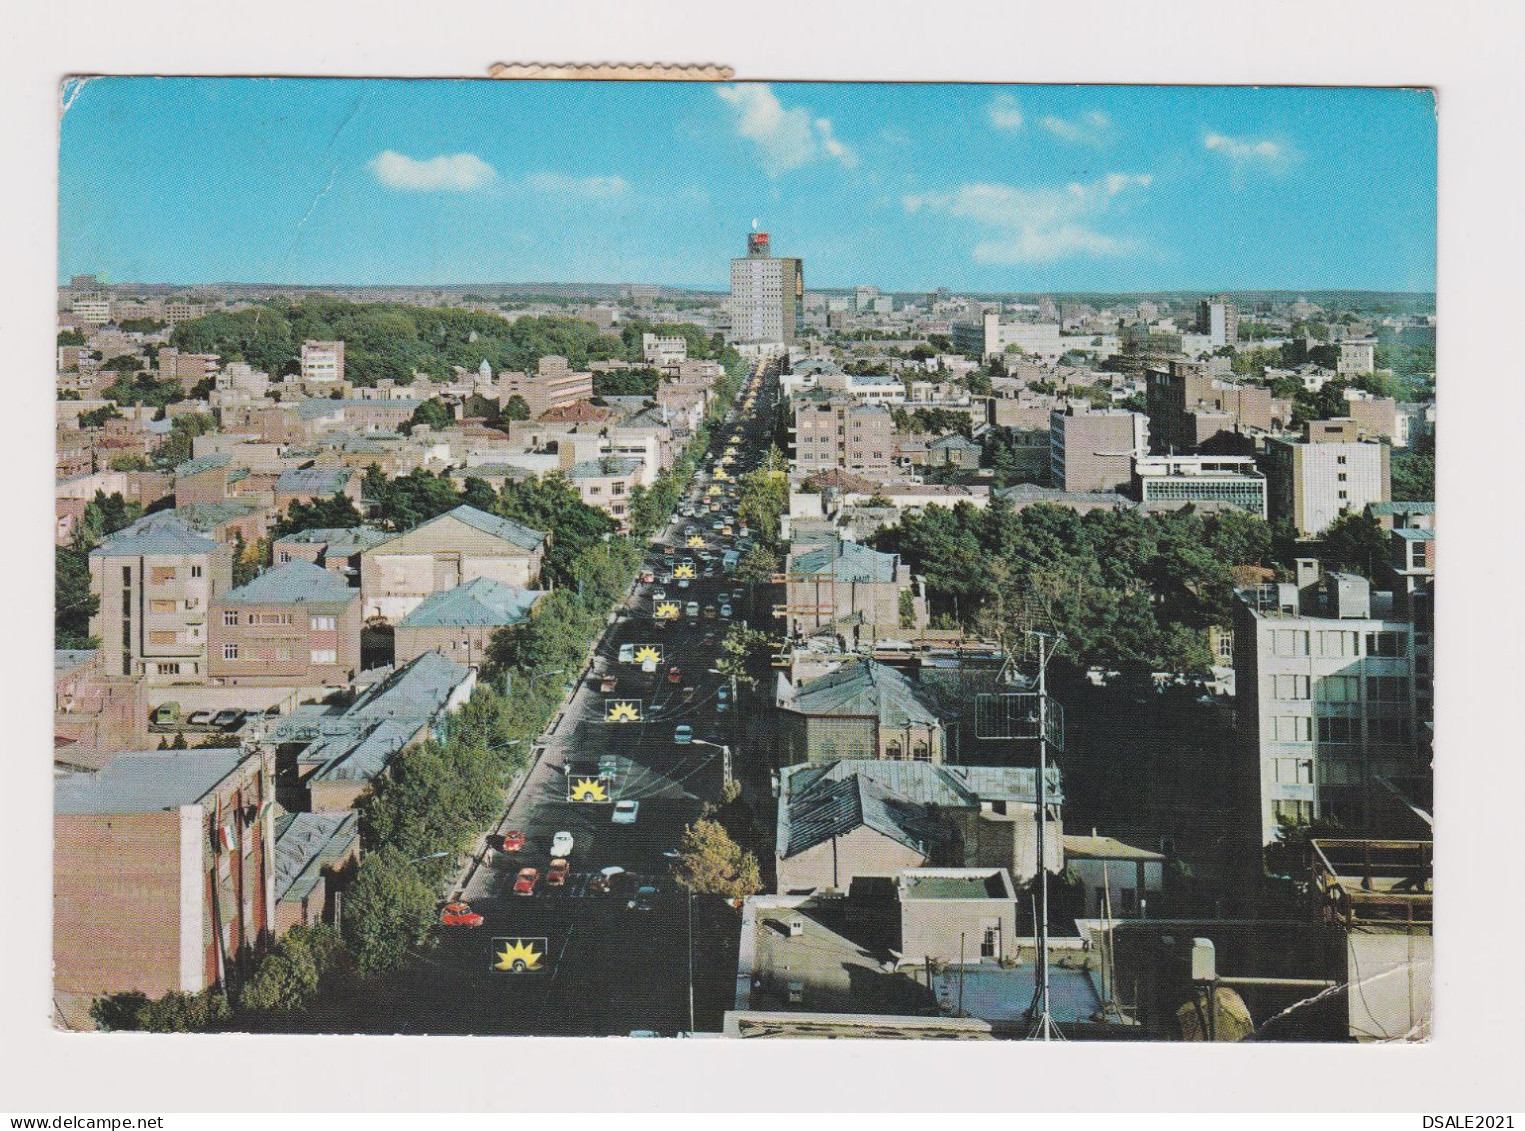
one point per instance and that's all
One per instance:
(541, 675)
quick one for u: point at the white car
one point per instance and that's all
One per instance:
(625, 812)
(561, 844)
(627, 653)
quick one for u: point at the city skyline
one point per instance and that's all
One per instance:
(1054, 189)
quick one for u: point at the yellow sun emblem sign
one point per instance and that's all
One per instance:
(624, 711)
(667, 611)
(714, 490)
(518, 956)
(587, 789)
(651, 651)
(696, 541)
(684, 571)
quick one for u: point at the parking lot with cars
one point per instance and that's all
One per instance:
(644, 743)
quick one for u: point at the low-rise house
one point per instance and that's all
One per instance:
(839, 581)
(328, 756)
(448, 550)
(862, 710)
(315, 855)
(859, 818)
(335, 548)
(94, 712)
(1117, 879)
(957, 914)
(460, 622)
(162, 875)
(954, 451)
(606, 484)
(303, 485)
(295, 625)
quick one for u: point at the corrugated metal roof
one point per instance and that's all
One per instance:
(868, 688)
(849, 561)
(514, 533)
(144, 781)
(304, 842)
(313, 480)
(483, 601)
(832, 807)
(202, 463)
(161, 533)
(295, 583)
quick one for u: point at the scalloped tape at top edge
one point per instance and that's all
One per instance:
(692, 72)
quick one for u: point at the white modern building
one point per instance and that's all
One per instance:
(323, 362)
(1172, 479)
(992, 337)
(1324, 677)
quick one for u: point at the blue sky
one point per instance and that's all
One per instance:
(907, 187)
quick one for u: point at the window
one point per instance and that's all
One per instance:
(1338, 731)
(230, 651)
(1291, 687)
(1396, 730)
(284, 556)
(1386, 688)
(195, 571)
(325, 656)
(1292, 728)
(323, 624)
(1339, 689)
(1344, 494)
(1292, 812)
(1290, 642)
(1294, 771)
(1386, 644)
(1342, 477)
(161, 606)
(161, 638)
(167, 669)
(160, 575)
(1333, 642)
(1340, 460)
(230, 618)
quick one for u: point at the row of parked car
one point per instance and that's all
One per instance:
(229, 718)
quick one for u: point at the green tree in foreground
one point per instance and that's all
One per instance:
(388, 912)
(711, 863)
(175, 1012)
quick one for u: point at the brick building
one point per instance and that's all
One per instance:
(161, 871)
(295, 625)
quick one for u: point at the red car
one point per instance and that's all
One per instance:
(674, 675)
(557, 874)
(459, 915)
(513, 841)
(648, 576)
(526, 881)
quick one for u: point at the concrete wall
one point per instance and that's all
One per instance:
(837, 862)
(930, 928)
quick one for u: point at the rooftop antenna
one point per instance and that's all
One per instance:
(1030, 715)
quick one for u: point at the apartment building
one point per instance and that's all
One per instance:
(767, 302)
(554, 385)
(1232, 481)
(1188, 406)
(1357, 356)
(322, 363)
(841, 433)
(459, 623)
(1094, 449)
(449, 550)
(162, 875)
(155, 581)
(1325, 682)
(1312, 482)
(1218, 320)
(664, 351)
(296, 625)
(190, 369)
(606, 483)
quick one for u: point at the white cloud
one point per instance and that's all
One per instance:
(1004, 113)
(588, 188)
(1036, 224)
(788, 137)
(453, 172)
(1265, 153)
(1091, 128)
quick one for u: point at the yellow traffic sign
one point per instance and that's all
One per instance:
(667, 610)
(587, 789)
(518, 955)
(623, 711)
(648, 652)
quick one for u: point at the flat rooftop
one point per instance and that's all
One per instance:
(971, 885)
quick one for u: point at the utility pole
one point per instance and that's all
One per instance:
(1043, 1028)
(690, 961)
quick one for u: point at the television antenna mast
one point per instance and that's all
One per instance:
(1029, 715)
